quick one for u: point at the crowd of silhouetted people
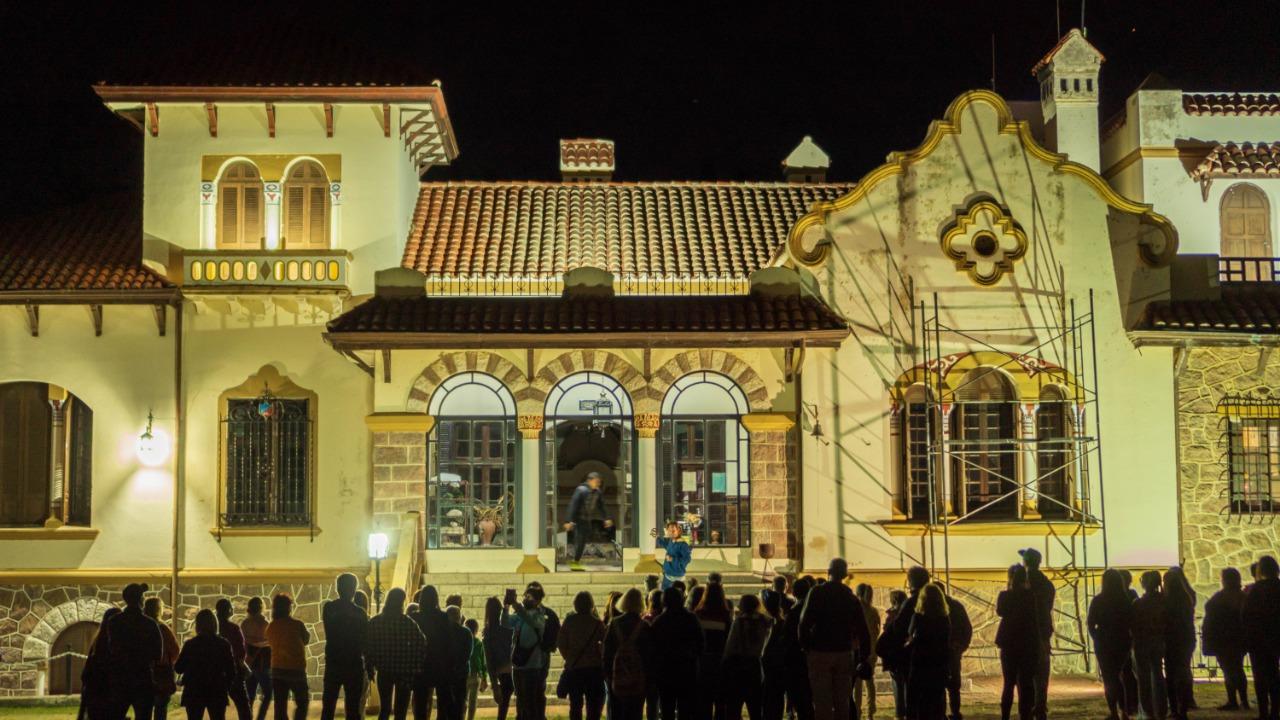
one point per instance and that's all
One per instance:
(804, 649)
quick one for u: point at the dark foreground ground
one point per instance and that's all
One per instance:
(1070, 698)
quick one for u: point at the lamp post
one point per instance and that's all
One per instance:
(377, 553)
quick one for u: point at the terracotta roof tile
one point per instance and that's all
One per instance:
(1231, 103)
(1240, 160)
(543, 229)
(1254, 310)
(586, 315)
(96, 245)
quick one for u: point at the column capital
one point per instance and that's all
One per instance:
(647, 424)
(530, 426)
(767, 422)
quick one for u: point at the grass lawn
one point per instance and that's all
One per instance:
(1070, 698)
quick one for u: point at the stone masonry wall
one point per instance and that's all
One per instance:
(399, 477)
(774, 491)
(1212, 538)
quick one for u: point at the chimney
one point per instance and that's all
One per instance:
(586, 160)
(807, 163)
(1068, 78)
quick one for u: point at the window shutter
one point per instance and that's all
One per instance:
(80, 463)
(252, 233)
(229, 217)
(296, 217)
(317, 217)
(26, 429)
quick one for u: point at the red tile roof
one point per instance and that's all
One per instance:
(1231, 103)
(1240, 160)
(455, 321)
(93, 246)
(587, 154)
(1252, 311)
(543, 229)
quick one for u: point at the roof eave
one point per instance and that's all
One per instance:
(265, 93)
(90, 297)
(1203, 338)
(342, 341)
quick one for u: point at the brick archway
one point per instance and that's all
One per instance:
(642, 397)
(713, 361)
(450, 364)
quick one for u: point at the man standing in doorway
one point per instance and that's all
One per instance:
(586, 512)
(1044, 591)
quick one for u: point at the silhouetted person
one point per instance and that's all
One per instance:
(231, 632)
(477, 668)
(162, 674)
(1224, 637)
(897, 644)
(891, 652)
(435, 627)
(457, 665)
(1149, 629)
(536, 629)
(395, 649)
(773, 661)
(961, 637)
(628, 658)
(1128, 677)
(344, 666)
(587, 515)
(653, 608)
(864, 683)
(257, 655)
(1261, 615)
(1180, 640)
(1110, 624)
(1018, 638)
(288, 638)
(497, 655)
(208, 668)
(929, 644)
(1045, 594)
(95, 678)
(743, 679)
(714, 617)
(832, 628)
(677, 645)
(799, 693)
(581, 644)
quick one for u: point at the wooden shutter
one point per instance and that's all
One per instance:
(228, 217)
(307, 208)
(79, 463)
(295, 232)
(26, 429)
(240, 213)
(251, 231)
(317, 217)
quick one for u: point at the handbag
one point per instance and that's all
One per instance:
(568, 678)
(521, 655)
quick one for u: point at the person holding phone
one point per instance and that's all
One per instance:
(679, 553)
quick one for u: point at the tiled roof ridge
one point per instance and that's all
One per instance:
(1255, 104)
(1240, 159)
(631, 183)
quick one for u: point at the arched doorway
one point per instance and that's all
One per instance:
(588, 428)
(67, 655)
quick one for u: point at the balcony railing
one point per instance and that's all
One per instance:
(266, 268)
(1248, 269)
(623, 284)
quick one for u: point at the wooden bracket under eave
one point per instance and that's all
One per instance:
(328, 119)
(160, 311)
(386, 119)
(386, 365)
(153, 119)
(96, 312)
(360, 363)
(33, 319)
(211, 110)
(271, 119)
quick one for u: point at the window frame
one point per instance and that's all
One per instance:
(984, 415)
(1055, 454)
(308, 185)
(268, 380)
(242, 184)
(1241, 412)
(67, 465)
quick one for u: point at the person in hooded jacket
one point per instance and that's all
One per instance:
(1018, 638)
(742, 655)
(1110, 624)
(434, 625)
(1222, 636)
(677, 647)
(208, 669)
(629, 638)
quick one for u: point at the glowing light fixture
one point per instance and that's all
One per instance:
(378, 546)
(153, 444)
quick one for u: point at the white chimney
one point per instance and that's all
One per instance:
(807, 163)
(1068, 78)
(586, 160)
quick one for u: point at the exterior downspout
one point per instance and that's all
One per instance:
(179, 464)
(799, 431)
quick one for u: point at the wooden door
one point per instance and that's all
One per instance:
(26, 429)
(66, 660)
(1246, 221)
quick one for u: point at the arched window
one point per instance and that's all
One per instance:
(985, 456)
(705, 461)
(306, 207)
(67, 655)
(588, 428)
(471, 464)
(240, 213)
(1246, 227)
(46, 456)
(1053, 454)
(920, 430)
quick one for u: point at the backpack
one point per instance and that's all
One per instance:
(550, 632)
(628, 667)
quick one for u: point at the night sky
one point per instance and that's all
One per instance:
(688, 90)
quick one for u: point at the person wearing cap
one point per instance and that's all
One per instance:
(1044, 591)
(134, 648)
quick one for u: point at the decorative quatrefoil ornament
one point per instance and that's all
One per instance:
(985, 242)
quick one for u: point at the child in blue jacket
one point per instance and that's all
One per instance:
(679, 554)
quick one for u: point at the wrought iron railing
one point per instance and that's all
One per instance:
(1248, 269)
(266, 268)
(267, 463)
(623, 284)
(1251, 435)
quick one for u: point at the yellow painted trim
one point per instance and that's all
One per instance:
(767, 422)
(647, 564)
(123, 575)
(1030, 528)
(1027, 386)
(951, 124)
(1241, 410)
(964, 577)
(271, 167)
(1190, 152)
(531, 564)
(400, 422)
(232, 532)
(62, 532)
(1008, 225)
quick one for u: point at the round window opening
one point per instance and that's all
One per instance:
(985, 245)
